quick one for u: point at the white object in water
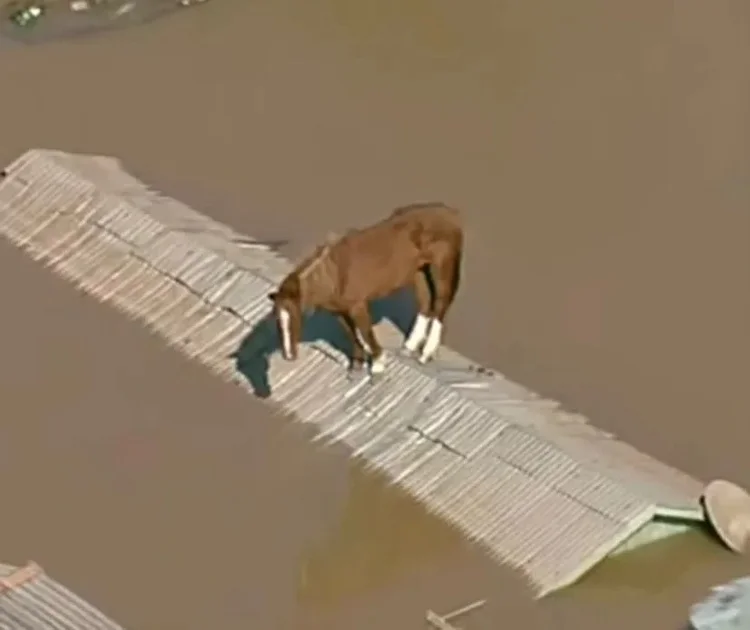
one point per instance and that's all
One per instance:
(726, 608)
(125, 8)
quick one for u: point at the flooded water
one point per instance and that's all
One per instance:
(600, 154)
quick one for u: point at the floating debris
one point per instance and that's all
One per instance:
(73, 18)
(443, 622)
(27, 16)
(726, 608)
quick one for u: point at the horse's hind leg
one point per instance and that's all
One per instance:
(446, 277)
(366, 337)
(423, 295)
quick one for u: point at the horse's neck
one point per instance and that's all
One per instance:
(318, 284)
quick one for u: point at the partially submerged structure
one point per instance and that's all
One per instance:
(540, 488)
(25, 22)
(31, 600)
(727, 607)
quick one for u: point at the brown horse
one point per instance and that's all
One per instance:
(419, 245)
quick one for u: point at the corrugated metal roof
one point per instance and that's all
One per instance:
(540, 488)
(31, 600)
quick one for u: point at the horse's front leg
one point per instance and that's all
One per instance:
(358, 352)
(366, 336)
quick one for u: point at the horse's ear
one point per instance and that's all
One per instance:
(273, 296)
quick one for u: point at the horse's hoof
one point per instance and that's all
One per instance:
(355, 370)
(407, 353)
(373, 379)
(377, 367)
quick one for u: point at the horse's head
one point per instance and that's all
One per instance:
(287, 310)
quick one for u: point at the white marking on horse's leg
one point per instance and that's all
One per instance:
(378, 365)
(285, 319)
(433, 341)
(418, 332)
(362, 341)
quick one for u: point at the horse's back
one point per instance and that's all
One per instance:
(430, 225)
(373, 261)
(433, 212)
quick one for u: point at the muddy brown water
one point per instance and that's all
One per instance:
(601, 154)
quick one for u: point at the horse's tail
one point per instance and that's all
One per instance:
(457, 261)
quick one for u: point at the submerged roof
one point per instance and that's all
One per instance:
(31, 600)
(540, 488)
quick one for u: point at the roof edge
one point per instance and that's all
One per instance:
(689, 515)
(602, 552)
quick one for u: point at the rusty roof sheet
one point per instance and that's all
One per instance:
(31, 600)
(540, 488)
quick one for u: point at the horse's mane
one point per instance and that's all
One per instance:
(320, 253)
